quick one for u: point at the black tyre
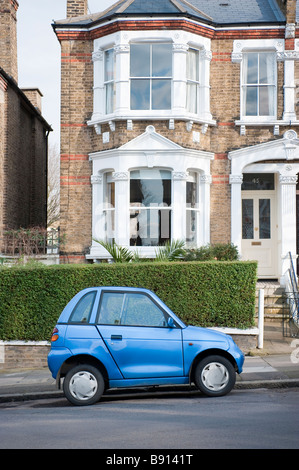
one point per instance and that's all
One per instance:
(83, 385)
(215, 376)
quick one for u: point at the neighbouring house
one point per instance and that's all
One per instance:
(23, 138)
(179, 121)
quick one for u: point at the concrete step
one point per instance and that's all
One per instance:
(275, 308)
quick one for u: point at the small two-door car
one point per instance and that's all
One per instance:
(112, 337)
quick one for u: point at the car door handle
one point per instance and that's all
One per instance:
(116, 337)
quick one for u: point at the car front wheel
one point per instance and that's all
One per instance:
(215, 376)
(83, 385)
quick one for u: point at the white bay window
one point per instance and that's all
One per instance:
(154, 75)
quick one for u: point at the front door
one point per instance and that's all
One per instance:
(259, 230)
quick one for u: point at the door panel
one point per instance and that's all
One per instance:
(259, 231)
(136, 332)
(142, 352)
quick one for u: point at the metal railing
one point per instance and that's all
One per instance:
(292, 296)
(30, 242)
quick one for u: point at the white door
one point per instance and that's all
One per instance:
(259, 231)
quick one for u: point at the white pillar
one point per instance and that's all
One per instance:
(205, 208)
(122, 78)
(287, 193)
(122, 216)
(179, 78)
(178, 220)
(98, 87)
(205, 57)
(289, 90)
(236, 210)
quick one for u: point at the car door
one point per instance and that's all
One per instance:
(136, 331)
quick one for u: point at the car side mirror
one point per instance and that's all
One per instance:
(170, 322)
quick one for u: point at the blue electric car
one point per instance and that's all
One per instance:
(111, 337)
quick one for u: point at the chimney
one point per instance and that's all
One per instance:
(8, 37)
(35, 96)
(76, 8)
(291, 11)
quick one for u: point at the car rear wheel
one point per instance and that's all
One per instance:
(83, 385)
(215, 376)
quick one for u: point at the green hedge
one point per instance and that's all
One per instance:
(200, 293)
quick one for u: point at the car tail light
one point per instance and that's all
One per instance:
(54, 336)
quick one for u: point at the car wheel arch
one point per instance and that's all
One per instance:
(83, 359)
(206, 353)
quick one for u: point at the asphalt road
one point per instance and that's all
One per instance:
(252, 419)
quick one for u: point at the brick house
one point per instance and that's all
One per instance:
(179, 121)
(23, 138)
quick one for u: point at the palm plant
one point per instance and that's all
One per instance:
(119, 254)
(171, 251)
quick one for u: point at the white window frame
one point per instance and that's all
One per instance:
(109, 83)
(196, 82)
(259, 86)
(241, 47)
(151, 79)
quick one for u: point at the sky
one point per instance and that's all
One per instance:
(39, 53)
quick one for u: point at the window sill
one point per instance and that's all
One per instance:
(263, 123)
(149, 116)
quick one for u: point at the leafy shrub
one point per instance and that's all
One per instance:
(218, 252)
(205, 294)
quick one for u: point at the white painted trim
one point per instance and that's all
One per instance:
(24, 343)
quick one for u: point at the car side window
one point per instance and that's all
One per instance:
(131, 309)
(82, 311)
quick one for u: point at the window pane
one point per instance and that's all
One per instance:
(141, 311)
(258, 182)
(266, 68)
(192, 98)
(140, 60)
(251, 101)
(109, 65)
(191, 198)
(252, 68)
(82, 311)
(247, 219)
(109, 98)
(149, 227)
(140, 94)
(161, 94)
(192, 65)
(264, 218)
(191, 226)
(161, 60)
(150, 188)
(111, 308)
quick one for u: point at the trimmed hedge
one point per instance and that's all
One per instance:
(200, 293)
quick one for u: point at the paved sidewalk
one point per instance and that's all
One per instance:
(276, 365)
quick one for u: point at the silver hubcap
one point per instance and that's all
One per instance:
(83, 385)
(215, 376)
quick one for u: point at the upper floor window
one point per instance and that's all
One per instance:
(193, 84)
(151, 76)
(259, 84)
(109, 81)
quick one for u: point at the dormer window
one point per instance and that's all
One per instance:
(151, 75)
